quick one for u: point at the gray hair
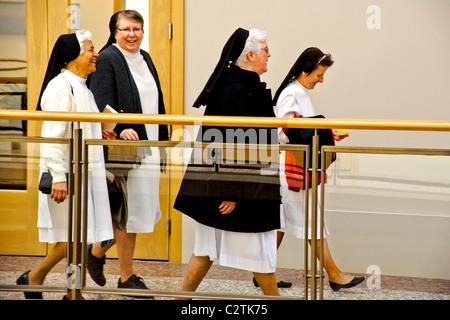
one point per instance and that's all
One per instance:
(82, 36)
(252, 44)
(129, 14)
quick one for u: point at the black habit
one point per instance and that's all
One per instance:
(236, 93)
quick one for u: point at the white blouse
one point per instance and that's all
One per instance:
(64, 93)
(146, 84)
(69, 93)
(144, 209)
(294, 101)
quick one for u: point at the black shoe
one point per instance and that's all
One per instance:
(134, 282)
(95, 267)
(355, 281)
(283, 284)
(23, 280)
(280, 284)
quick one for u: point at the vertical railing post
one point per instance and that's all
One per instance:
(306, 208)
(70, 193)
(315, 151)
(85, 188)
(75, 239)
(322, 217)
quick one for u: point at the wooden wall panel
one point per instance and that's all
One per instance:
(46, 20)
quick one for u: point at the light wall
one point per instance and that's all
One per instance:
(397, 70)
(95, 16)
(13, 33)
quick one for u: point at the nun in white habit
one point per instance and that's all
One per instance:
(66, 91)
(292, 100)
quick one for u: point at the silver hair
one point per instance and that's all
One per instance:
(252, 44)
(82, 36)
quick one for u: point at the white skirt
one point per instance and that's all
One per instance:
(292, 213)
(53, 217)
(54, 228)
(256, 252)
(144, 209)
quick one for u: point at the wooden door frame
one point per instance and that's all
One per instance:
(173, 89)
(46, 20)
(177, 107)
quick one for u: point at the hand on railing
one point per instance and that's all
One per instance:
(129, 134)
(109, 134)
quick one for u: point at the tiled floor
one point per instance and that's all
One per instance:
(167, 276)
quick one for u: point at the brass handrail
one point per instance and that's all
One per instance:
(269, 122)
(362, 124)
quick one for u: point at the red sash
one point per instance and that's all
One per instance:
(295, 172)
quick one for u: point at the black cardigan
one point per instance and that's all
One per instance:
(113, 84)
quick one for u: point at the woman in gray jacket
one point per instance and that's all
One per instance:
(126, 79)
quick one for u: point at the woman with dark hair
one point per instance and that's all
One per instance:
(292, 100)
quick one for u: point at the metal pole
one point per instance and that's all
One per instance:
(306, 170)
(77, 208)
(69, 247)
(322, 219)
(315, 149)
(85, 215)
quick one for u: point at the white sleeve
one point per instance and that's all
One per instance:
(56, 97)
(286, 108)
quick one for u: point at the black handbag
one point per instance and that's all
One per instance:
(304, 137)
(45, 184)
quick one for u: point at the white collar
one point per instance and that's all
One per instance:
(128, 54)
(298, 84)
(69, 75)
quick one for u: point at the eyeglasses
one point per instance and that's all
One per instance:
(128, 30)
